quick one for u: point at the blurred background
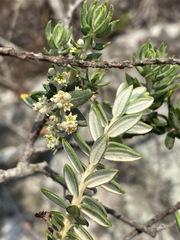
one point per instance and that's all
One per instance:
(151, 183)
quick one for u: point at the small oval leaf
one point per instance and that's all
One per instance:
(54, 198)
(123, 124)
(121, 101)
(95, 125)
(140, 128)
(100, 177)
(113, 187)
(98, 149)
(71, 180)
(82, 233)
(139, 105)
(72, 156)
(95, 215)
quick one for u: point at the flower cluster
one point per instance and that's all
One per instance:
(60, 118)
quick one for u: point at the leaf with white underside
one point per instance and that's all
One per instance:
(75, 161)
(81, 143)
(121, 155)
(71, 180)
(98, 149)
(95, 125)
(54, 198)
(95, 215)
(137, 92)
(121, 101)
(94, 203)
(140, 128)
(82, 233)
(123, 124)
(100, 177)
(113, 187)
(139, 105)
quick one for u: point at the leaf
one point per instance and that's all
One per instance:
(95, 204)
(175, 121)
(80, 97)
(85, 28)
(74, 211)
(50, 236)
(72, 156)
(113, 187)
(95, 215)
(140, 128)
(137, 92)
(98, 149)
(100, 177)
(101, 46)
(54, 198)
(82, 233)
(102, 114)
(81, 143)
(121, 101)
(71, 180)
(48, 31)
(139, 105)
(177, 215)
(119, 154)
(95, 125)
(169, 140)
(81, 221)
(123, 124)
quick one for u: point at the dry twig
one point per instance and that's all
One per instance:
(65, 61)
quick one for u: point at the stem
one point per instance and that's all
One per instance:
(69, 221)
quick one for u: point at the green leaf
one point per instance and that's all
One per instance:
(95, 125)
(82, 233)
(121, 154)
(77, 164)
(95, 204)
(50, 236)
(95, 215)
(37, 94)
(99, 15)
(98, 149)
(48, 31)
(80, 97)
(169, 140)
(101, 46)
(81, 143)
(85, 28)
(81, 221)
(54, 198)
(121, 101)
(140, 128)
(102, 114)
(60, 180)
(74, 211)
(71, 180)
(123, 124)
(57, 31)
(113, 187)
(100, 177)
(72, 236)
(177, 215)
(175, 120)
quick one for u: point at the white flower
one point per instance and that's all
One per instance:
(53, 142)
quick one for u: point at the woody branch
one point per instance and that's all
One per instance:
(65, 61)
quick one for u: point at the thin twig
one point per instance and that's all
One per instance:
(154, 220)
(65, 61)
(72, 8)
